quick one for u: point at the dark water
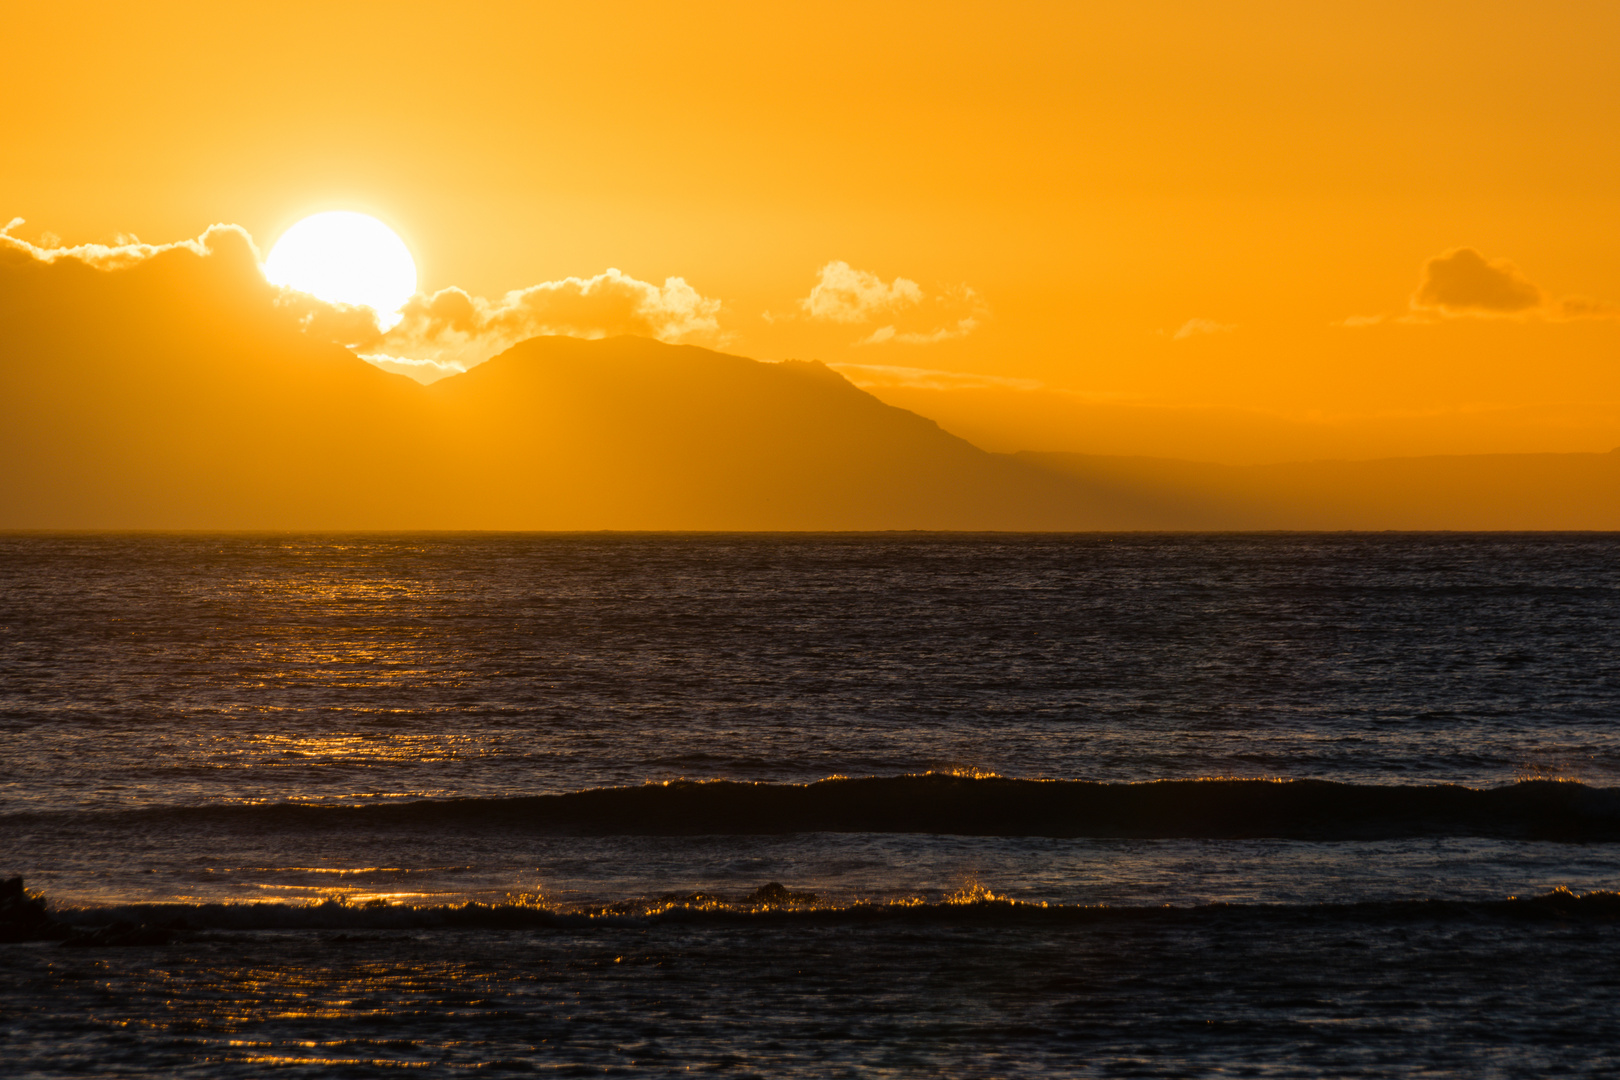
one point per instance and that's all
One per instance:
(310, 753)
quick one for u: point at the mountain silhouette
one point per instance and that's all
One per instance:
(632, 433)
(183, 392)
(175, 393)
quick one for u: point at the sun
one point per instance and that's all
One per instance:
(345, 258)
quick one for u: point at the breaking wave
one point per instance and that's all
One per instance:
(957, 804)
(975, 905)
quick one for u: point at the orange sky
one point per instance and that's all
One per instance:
(1129, 228)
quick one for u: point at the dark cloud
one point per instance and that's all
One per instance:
(1584, 307)
(1464, 282)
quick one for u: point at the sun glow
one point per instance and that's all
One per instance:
(345, 258)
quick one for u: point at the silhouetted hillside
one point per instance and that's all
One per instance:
(175, 393)
(632, 433)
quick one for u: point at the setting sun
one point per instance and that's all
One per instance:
(345, 258)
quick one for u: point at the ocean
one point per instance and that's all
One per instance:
(811, 805)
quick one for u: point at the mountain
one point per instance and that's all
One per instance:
(632, 433)
(174, 393)
(177, 392)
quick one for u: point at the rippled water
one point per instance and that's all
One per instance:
(144, 679)
(1214, 997)
(194, 669)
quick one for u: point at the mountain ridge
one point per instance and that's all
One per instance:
(763, 445)
(181, 392)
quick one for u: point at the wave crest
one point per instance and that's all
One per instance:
(969, 805)
(974, 904)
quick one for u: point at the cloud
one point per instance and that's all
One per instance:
(1198, 327)
(843, 294)
(1584, 307)
(456, 331)
(1463, 282)
(424, 371)
(885, 334)
(232, 240)
(848, 296)
(928, 378)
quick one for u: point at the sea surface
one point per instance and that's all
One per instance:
(821, 805)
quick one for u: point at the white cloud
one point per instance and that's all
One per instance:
(457, 331)
(884, 334)
(927, 378)
(128, 251)
(423, 371)
(1197, 327)
(843, 294)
